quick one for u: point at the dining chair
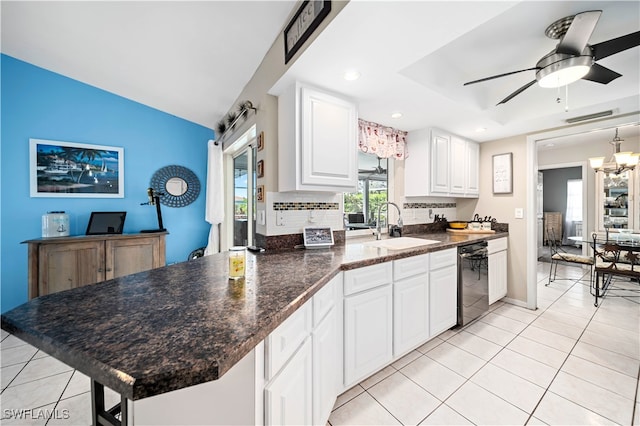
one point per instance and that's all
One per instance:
(558, 254)
(613, 261)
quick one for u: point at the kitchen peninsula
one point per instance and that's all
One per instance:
(160, 332)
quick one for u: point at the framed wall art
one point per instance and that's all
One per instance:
(260, 168)
(304, 22)
(261, 141)
(75, 170)
(260, 193)
(503, 173)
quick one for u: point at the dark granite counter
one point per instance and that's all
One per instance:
(185, 324)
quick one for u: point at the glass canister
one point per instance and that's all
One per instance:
(237, 262)
(55, 224)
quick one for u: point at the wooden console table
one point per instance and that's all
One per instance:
(62, 263)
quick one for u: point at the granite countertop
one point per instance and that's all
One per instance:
(185, 324)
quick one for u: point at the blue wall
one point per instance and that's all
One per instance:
(37, 103)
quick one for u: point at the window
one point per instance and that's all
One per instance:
(361, 208)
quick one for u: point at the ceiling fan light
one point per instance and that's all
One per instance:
(596, 162)
(564, 76)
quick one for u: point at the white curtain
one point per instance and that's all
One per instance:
(214, 212)
(574, 208)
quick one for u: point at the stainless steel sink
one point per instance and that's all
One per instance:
(400, 243)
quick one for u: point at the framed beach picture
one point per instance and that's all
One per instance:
(75, 170)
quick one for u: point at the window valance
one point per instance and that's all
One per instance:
(383, 141)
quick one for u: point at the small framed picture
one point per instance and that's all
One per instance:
(261, 141)
(260, 168)
(503, 173)
(260, 193)
(318, 237)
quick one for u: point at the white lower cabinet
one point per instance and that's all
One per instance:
(497, 250)
(326, 367)
(410, 303)
(443, 299)
(367, 332)
(288, 397)
(410, 314)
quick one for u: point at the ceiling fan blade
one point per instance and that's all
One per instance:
(517, 92)
(615, 45)
(600, 74)
(499, 75)
(577, 36)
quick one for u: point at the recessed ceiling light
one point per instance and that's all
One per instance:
(481, 129)
(351, 75)
(396, 115)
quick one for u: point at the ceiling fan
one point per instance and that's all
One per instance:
(573, 58)
(378, 170)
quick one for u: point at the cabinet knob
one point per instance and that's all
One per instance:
(109, 269)
(99, 269)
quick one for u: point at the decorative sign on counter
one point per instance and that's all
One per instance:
(502, 173)
(303, 24)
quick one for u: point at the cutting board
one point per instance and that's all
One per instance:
(470, 231)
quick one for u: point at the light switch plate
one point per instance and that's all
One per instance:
(261, 217)
(519, 213)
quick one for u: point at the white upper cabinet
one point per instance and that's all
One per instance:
(440, 181)
(441, 164)
(317, 141)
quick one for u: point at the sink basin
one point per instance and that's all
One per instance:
(400, 243)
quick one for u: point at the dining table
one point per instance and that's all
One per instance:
(616, 257)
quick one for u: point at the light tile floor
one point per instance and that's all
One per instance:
(566, 363)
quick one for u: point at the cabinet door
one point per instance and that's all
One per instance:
(410, 313)
(443, 299)
(326, 371)
(367, 333)
(473, 169)
(416, 170)
(288, 396)
(497, 276)
(616, 200)
(439, 162)
(458, 163)
(328, 146)
(124, 257)
(69, 265)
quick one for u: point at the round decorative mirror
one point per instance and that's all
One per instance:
(177, 185)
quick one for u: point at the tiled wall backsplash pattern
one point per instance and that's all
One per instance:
(290, 212)
(280, 206)
(424, 212)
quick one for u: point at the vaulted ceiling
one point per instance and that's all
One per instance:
(192, 59)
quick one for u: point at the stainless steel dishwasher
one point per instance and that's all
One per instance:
(473, 282)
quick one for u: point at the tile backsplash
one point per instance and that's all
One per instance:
(290, 212)
(418, 210)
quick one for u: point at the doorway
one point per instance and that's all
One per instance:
(533, 142)
(563, 204)
(240, 183)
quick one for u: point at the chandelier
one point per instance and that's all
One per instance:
(619, 162)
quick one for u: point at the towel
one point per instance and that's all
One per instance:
(214, 212)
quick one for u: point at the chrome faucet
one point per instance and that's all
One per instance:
(378, 226)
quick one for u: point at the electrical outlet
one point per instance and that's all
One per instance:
(279, 218)
(261, 217)
(519, 213)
